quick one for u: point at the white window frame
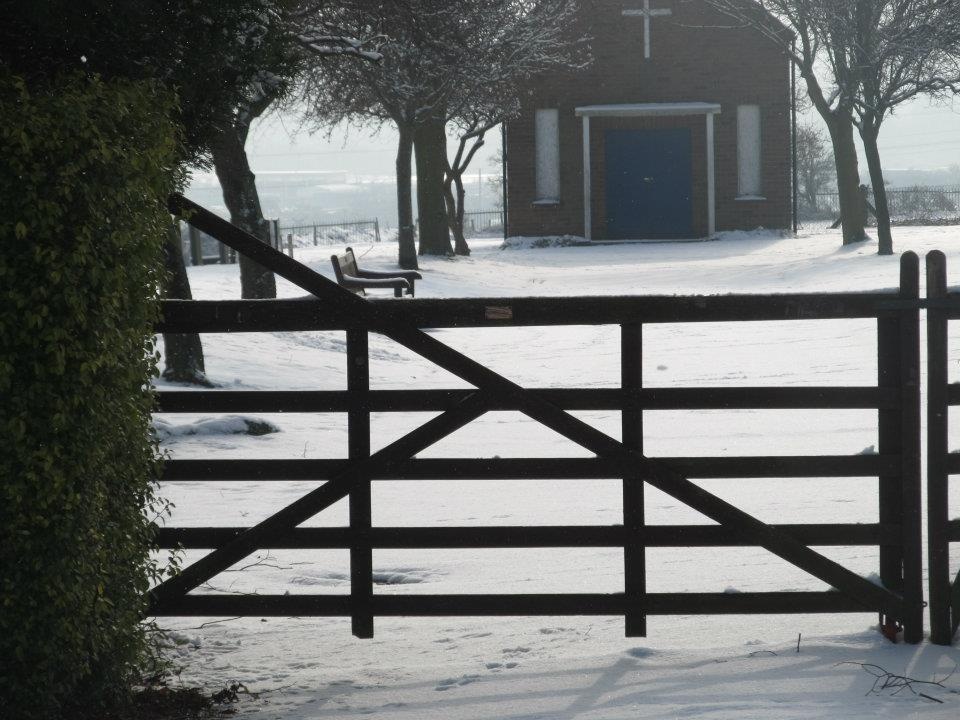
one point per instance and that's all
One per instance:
(750, 152)
(547, 156)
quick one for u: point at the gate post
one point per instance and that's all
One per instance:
(634, 550)
(910, 448)
(898, 364)
(361, 515)
(890, 440)
(938, 538)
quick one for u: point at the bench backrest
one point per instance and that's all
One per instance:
(346, 264)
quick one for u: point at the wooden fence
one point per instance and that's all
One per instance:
(943, 305)
(895, 397)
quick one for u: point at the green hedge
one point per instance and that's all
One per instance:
(86, 167)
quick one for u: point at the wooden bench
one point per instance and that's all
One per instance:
(353, 278)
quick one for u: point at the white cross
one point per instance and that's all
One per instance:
(647, 13)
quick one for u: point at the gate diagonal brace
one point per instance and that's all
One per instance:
(335, 489)
(389, 320)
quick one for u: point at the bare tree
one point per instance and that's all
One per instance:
(336, 93)
(459, 61)
(472, 137)
(884, 53)
(879, 54)
(816, 169)
(239, 187)
(512, 42)
(804, 19)
(281, 39)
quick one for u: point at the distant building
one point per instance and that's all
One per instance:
(683, 122)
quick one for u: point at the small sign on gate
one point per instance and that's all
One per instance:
(498, 312)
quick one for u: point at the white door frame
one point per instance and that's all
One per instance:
(650, 110)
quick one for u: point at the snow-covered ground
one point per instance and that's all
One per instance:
(558, 668)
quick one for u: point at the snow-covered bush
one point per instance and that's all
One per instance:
(87, 165)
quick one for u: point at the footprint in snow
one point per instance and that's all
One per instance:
(516, 651)
(456, 682)
(496, 666)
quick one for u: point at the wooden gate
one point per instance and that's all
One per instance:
(942, 306)
(895, 397)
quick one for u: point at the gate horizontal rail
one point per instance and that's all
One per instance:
(702, 468)
(895, 398)
(566, 536)
(515, 605)
(217, 316)
(738, 398)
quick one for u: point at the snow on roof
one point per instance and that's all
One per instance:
(649, 109)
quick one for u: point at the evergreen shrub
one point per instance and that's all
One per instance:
(87, 165)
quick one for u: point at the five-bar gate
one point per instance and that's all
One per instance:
(895, 397)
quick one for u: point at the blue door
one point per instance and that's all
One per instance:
(649, 184)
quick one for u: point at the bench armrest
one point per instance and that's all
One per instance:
(409, 276)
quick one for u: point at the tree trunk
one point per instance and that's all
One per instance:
(839, 121)
(852, 209)
(183, 354)
(869, 134)
(407, 243)
(455, 210)
(460, 246)
(242, 200)
(430, 142)
(811, 197)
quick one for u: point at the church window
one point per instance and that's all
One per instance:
(748, 150)
(547, 139)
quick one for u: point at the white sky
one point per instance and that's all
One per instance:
(922, 135)
(276, 143)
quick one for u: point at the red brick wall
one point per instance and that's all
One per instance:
(696, 57)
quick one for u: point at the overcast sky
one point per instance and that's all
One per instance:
(276, 143)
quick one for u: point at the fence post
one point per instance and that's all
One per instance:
(290, 244)
(275, 239)
(196, 245)
(314, 235)
(938, 537)
(361, 514)
(376, 228)
(634, 550)
(911, 481)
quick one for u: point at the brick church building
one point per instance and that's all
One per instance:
(683, 120)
